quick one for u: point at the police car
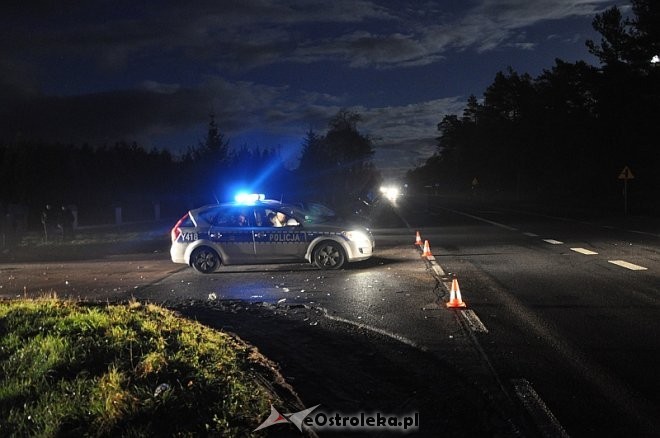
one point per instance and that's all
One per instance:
(253, 230)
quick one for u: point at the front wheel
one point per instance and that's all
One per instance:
(329, 255)
(204, 260)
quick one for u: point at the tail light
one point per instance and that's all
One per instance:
(176, 231)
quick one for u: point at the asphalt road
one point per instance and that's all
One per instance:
(569, 308)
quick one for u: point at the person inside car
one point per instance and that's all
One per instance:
(277, 219)
(241, 220)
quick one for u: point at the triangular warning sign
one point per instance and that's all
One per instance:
(626, 173)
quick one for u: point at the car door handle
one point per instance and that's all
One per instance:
(259, 234)
(214, 235)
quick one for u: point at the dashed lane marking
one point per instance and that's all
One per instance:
(471, 319)
(438, 270)
(584, 251)
(627, 265)
(497, 224)
(474, 322)
(543, 418)
(531, 234)
(553, 241)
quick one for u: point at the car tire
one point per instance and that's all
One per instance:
(204, 260)
(329, 255)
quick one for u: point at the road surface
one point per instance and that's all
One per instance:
(561, 318)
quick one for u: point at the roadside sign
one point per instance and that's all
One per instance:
(626, 174)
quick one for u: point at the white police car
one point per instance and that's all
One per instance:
(253, 230)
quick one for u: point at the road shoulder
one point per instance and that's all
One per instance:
(348, 369)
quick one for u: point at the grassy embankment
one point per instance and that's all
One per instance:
(69, 369)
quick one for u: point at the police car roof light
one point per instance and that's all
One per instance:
(249, 198)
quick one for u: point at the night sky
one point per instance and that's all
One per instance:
(99, 72)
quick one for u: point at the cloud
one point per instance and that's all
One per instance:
(133, 115)
(128, 51)
(241, 34)
(117, 32)
(405, 136)
(160, 108)
(97, 118)
(424, 36)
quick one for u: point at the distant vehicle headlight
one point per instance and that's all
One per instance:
(390, 192)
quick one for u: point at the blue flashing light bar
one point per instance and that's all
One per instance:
(249, 198)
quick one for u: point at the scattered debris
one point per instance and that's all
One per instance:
(161, 389)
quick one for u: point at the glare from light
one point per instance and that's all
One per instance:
(390, 192)
(356, 236)
(249, 198)
(655, 60)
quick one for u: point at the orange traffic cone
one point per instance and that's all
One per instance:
(427, 249)
(418, 239)
(455, 299)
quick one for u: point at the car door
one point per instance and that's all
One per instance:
(283, 243)
(233, 237)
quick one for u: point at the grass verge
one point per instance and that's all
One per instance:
(73, 369)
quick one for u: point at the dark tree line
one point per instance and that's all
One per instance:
(33, 174)
(568, 133)
(97, 179)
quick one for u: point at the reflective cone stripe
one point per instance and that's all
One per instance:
(418, 239)
(455, 299)
(427, 249)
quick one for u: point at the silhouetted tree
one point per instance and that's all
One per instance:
(338, 165)
(566, 134)
(632, 41)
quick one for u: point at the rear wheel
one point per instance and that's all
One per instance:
(329, 255)
(204, 260)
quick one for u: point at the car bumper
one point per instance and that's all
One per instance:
(361, 251)
(177, 254)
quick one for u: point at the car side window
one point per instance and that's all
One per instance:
(226, 217)
(242, 218)
(261, 217)
(272, 218)
(255, 217)
(210, 215)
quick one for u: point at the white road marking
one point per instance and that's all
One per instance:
(531, 235)
(497, 224)
(373, 329)
(584, 251)
(438, 269)
(474, 322)
(544, 419)
(553, 241)
(627, 265)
